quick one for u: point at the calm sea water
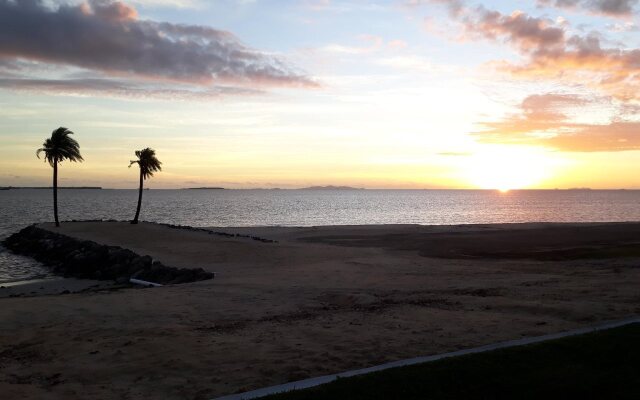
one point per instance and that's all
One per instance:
(19, 208)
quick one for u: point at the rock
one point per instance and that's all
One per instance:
(137, 274)
(146, 260)
(85, 259)
(122, 280)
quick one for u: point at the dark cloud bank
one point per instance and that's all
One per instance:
(108, 39)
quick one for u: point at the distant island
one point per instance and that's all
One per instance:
(204, 188)
(331, 187)
(49, 187)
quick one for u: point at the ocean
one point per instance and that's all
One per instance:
(254, 207)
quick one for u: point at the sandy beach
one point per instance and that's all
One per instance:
(320, 300)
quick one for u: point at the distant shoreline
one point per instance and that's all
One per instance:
(325, 188)
(204, 188)
(49, 187)
(331, 187)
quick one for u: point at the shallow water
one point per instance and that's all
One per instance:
(22, 207)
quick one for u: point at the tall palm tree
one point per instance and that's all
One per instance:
(148, 164)
(57, 148)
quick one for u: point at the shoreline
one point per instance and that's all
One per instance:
(317, 301)
(29, 287)
(53, 286)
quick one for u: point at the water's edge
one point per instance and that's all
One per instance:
(246, 208)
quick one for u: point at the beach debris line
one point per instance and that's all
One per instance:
(219, 233)
(71, 257)
(188, 228)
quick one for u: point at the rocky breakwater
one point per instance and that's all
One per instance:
(71, 257)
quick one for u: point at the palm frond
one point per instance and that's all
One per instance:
(147, 162)
(60, 147)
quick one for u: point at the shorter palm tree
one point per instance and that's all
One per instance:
(148, 164)
(57, 148)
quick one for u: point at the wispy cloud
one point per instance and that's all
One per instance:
(544, 120)
(169, 3)
(121, 89)
(180, 4)
(455, 7)
(552, 52)
(614, 8)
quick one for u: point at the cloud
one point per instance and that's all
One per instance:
(367, 44)
(584, 60)
(551, 53)
(543, 120)
(455, 7)
(518, 29)
(179, 4)
(120, 89)
(342, 49)
(538, 113)
(107, 38)
(614, 8)
(623, 27)
(616, 136)
(550, 106)
(169, 3)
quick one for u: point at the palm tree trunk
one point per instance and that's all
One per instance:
(55, 193)
(135, 220)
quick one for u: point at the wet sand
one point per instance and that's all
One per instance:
(53, 285)
(321, 300)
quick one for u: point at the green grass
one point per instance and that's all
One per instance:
(603, 365)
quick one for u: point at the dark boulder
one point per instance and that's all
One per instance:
(86, 259)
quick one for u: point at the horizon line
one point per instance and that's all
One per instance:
(316, 188)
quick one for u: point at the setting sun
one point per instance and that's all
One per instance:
(507, 167)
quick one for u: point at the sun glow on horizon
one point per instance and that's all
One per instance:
(505, 168)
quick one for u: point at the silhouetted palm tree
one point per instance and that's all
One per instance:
(57, 148)
(148, 164)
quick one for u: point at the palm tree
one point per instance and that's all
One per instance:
(57, 148)
(148, 164)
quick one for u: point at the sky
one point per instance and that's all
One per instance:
(260, 94)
